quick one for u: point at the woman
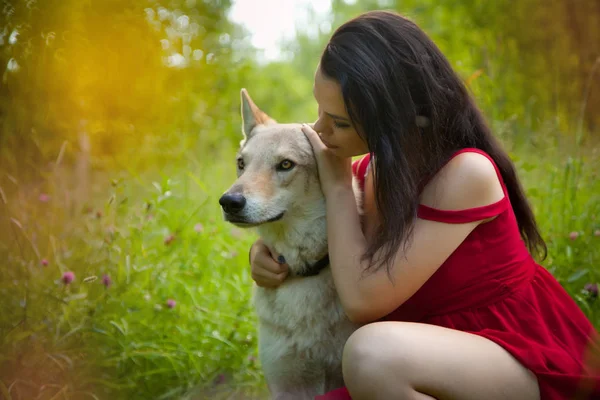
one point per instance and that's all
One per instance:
(442, 273)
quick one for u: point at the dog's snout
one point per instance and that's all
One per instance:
(232, 202)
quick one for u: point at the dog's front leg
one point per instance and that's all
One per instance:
(294, 385)
(298, 394)
(291, 378)
(333, 378)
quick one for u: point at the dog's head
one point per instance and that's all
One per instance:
(276, 169)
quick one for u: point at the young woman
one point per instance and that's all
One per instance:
(442, 273)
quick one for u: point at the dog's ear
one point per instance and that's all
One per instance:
(252, 115)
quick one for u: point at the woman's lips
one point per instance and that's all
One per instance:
(330, 146)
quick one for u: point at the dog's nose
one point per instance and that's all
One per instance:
(232, 202)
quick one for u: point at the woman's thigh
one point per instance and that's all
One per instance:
(388, 360)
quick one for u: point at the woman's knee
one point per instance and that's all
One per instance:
(400, 359)
(372, 344)
(369, 355)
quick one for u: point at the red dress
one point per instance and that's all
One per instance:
(492, 287)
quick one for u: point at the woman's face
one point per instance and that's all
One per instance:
(333, 125)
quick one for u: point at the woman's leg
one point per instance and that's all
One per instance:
(401, 360)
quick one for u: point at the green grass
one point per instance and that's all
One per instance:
(157, 240)
(160, 236)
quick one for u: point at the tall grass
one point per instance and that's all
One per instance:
(160, 304)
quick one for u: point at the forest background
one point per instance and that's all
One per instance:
(119, 122)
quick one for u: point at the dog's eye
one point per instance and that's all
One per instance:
(285, 165)
(240, 163)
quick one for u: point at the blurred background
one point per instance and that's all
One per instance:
(119, 123)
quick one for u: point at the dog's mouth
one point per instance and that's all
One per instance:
(244, 223)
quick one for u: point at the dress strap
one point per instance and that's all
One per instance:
(469, 214)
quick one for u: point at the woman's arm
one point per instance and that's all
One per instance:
(467, 181)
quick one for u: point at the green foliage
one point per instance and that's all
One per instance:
(121, 75)
(139, 203)
(157, 241)
(529, 60)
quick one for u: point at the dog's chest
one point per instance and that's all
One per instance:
(304, 314)
(307, 301)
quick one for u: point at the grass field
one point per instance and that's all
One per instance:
(143, 292)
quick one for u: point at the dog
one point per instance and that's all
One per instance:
(302, 325)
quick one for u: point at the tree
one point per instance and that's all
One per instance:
(142, 75)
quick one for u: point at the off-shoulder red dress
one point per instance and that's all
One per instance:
(492, 287)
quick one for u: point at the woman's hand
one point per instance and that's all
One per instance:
(334, 171)
(266, 271)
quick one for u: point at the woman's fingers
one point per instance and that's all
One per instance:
(267, 272)
(313, 138)
(267, 279)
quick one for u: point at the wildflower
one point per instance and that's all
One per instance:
(236, 233)
(573, 235)
(227, 255)
(44, 198)
(171, 303)
(44, 262)
(597, 233)
(169, 239)
(99, 214)
(106, 281)
(68, 277)
(592, 289)
(220, 379)
(199, 228)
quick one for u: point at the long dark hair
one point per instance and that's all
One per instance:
(390, 72)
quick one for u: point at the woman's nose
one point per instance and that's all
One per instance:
(319, 126)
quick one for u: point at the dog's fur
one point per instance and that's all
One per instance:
(302, 326)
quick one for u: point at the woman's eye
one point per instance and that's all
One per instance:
(340, 125)
(285, 165)
(240, 163)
